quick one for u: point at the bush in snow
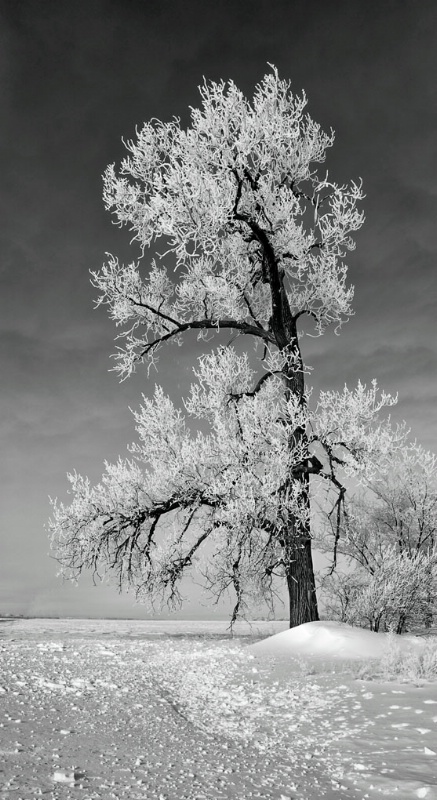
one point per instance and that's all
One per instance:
(396, 596)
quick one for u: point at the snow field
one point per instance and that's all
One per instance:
(199, 719)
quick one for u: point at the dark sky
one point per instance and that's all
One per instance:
(75, 78)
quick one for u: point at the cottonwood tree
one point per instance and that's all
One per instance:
(389, 534)
(253, 239)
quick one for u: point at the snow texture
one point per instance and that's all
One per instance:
(179, 711)
(321, 639)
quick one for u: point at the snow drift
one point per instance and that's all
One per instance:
(331, 639)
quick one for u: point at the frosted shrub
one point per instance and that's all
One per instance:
(417, 665)
(397, 595)
(389, 537)
(420, 665)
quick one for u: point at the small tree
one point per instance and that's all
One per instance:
(340, 590)
(389, 534)
(254, 240)
(394, 597)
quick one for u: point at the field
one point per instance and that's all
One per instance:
(180, 711)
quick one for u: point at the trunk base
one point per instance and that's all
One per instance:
(302, 587)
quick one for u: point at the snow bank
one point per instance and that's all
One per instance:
(330, 639)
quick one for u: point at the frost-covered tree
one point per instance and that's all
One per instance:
(397, 595)
(253, 239)
(340, 590)
(398, 506)
(389, 534)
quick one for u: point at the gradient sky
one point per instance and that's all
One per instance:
(75, 78)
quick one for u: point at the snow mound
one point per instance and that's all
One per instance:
(331, 639)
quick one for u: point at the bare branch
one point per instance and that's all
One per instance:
(262, 380)
(156, 311)
(244, 327)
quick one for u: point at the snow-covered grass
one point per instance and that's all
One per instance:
(101, 710)
(415, 666)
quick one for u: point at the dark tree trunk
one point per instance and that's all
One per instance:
(428, 616)
(298, 556)
(301, 585)
(401, 623)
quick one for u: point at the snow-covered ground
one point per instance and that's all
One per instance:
(177, 711)
(334, 640)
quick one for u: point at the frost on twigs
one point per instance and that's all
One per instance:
(147, 520)
(349, 422)
(240, 212)
(389, 538)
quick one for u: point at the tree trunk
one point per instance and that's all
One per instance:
(298, 557)
(401, 623)
(301, 585)
(428, 616)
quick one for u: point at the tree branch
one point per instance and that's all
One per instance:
(305, 311)
(155, 311)
(175, 568)
(281, 333)
(246, 300)
(237, 396)
(208, 324)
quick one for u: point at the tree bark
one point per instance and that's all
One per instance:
(298, 556)
(301, 585)
(299, 570)
(429, 616)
